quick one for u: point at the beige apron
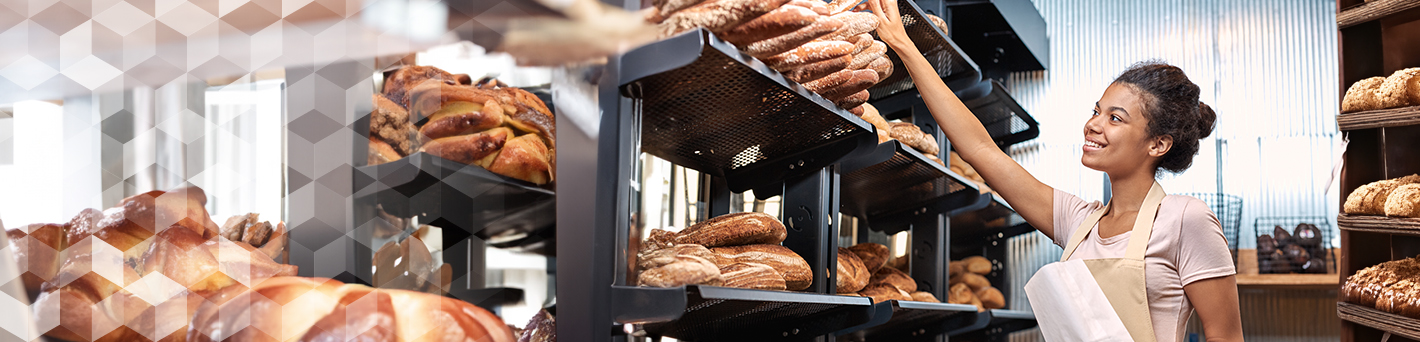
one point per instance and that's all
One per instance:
(1066, 295)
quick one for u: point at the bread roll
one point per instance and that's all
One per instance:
(734, 230)
(808, 53)
(751, 276)
(1361, 96)
(977, 264)
(873, 255)
(716, 15)
(686, 270)
(1395, 91)
(960, 294)
(975, 281)
(956, 267)
(817, 70)
(1404, 201)
(891, 276)
(991, 298)
(924, 296)
(796, 272)
(777, 45)
(852, 274)
(1370, 199)
(776, 23)
(884, 292)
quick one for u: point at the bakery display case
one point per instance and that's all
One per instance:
(1377, 39)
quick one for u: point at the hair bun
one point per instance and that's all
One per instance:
(1207, 120)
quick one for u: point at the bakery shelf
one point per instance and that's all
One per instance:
(1004, 118)
(915, 320)
(1372, 10)
(1379, 224)
(952, 65)
(713, 313)
(1385, 321)
(1290, 281)
(998, 322)
(503, 211)
(996, 221)
(705, 105)
(895, 180)
(1394, 117)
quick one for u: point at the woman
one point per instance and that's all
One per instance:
(1149, 119)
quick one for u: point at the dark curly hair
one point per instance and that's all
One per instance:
(1172, 106)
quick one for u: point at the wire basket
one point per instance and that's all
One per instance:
(1228, 208)
(1297, 251)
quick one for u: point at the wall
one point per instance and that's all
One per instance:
(1268, 67)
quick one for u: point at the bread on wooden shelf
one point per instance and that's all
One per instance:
(1370, 199)
(1400, 89)
(1403, 201)
(1392, 286)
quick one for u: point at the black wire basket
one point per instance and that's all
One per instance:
(1228, 208)
(1294, 244)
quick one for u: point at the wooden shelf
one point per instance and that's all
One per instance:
(1293, 281)
(1379, 224)
(1394, 117)
(1372, 11)
(1385, 321)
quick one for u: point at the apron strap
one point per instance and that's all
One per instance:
(1143, 226)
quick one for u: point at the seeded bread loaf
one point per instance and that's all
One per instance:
(796, 272)
(734, 230)
(1404, 201)
(1370, 199)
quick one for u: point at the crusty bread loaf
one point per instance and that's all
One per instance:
(892, 276)
(716, 15)
(734, 230)
(751, 276)
(924, 296)
(975, 281)
(667, 7)
(871, 115)
(884, 292)
(686, 270)
(883, 66)
(817, 6)
(809, 53)
(854, 100)
(777, 45)
(1361, 96)
(796, 272)
(852, 275)
(977, 264)
(832, 80)
(854, 23)
(665, 256)
(991, 298)
(875, 50)
(778, 22)
(1394, 92)
(873, 255)
(657, 239)
(817, 70)
(1404, 201)
(913, 136)
(861, 42)
(1370, 199)
(860, 81)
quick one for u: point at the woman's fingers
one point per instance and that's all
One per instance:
(877, 8)
(891, 7)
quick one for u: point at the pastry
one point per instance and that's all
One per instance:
(686, 270)
(380, 152)
(390, 122)
(471, 149)
(459, 118)
(873, 255)
(796, 272)
(852, 275)
(751, 276)
(503, 129)
(541, 328)
(734, 230)
(524, 157)
(406, 78)
(891, 276)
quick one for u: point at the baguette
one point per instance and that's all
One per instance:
(796, 272)
(717, 15)
(861, 80)
(777, 45)
(667, 7)
(734, 230)
(818, 69)
(776, 23)
(857, 99)
(827, 82)
(875, 51)
(808, 53)
(817, 6)
(854, 23)
(861, 42)
(883, 66)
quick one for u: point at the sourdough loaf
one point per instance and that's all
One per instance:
(733, 230)
(685, 270)
(873, 255)
(884, 292)
(750, 275)
(852, 275)
(892, 276)
(796, 272)
(924, 296)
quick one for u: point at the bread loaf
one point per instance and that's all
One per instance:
(852, 275)
(883, 66)
(657, 239)
(924, 296)
(808, 53)
(884, 292)
(975, 281)
(1404, 201)
(1395, 92)
(977, 264)
(751, 276)
(891, 276)
(777, 45)
(717, 15)
(854, 23)
(860, 81)
(734, 230)
(667, 7)
(778, 22)
(873, 255)
(1370, 199)
(1361, 96)
(876, 50)
(909, 134)
(796, 272)
(857, 99)
(939, 23)
(840, 6)
(818, 69)
(665, 256)
(870, 114)
(830, 81)
(861, 42)
(817, 6)
(991, 298)
(686, 270)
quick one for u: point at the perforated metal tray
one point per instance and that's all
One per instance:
(894, 179)
(1003, 117)
(707, 106)
(953, 65)
(467, 197)
(913, 320)
(715, 313)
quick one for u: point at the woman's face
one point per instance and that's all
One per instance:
(1116, 135)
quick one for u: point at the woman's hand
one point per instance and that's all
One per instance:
(890, 29)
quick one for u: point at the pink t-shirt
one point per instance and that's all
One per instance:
(1186, 245)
